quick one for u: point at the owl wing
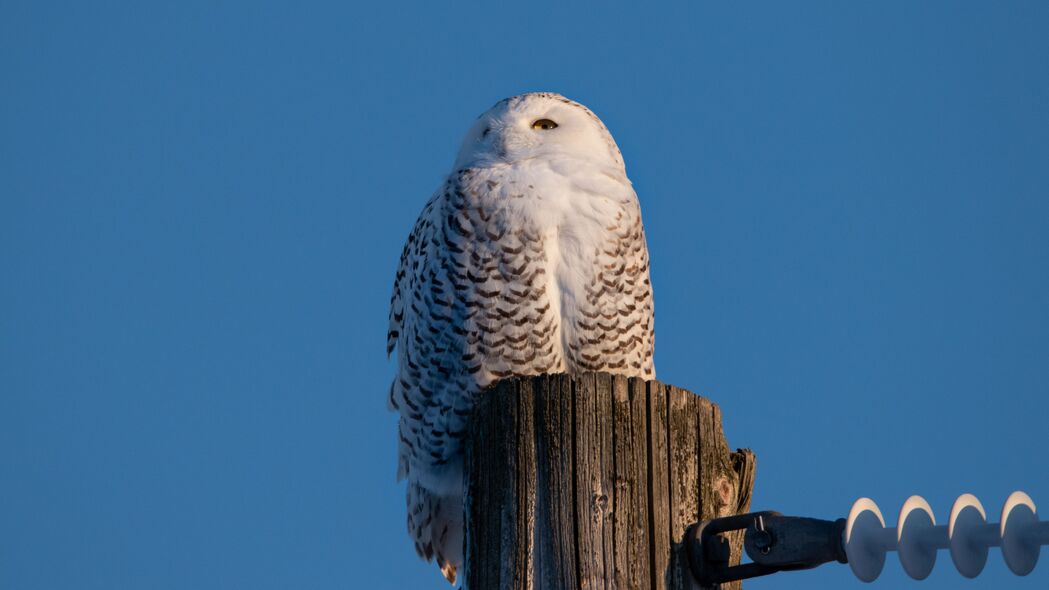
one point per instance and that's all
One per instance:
(431, 388)
(415, 252)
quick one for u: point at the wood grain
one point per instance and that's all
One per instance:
(590, 481)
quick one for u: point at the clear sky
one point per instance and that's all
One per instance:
(202, 205)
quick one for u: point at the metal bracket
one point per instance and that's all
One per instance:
(773, 542)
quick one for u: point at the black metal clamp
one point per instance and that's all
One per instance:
(773, 542)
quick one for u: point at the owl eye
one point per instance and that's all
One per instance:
(544, 124)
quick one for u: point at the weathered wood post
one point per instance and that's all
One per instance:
(590, 482)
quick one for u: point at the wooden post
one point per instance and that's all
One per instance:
(590, 481)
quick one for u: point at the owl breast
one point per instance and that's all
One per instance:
(559, 271)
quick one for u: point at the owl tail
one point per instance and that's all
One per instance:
(435, 523)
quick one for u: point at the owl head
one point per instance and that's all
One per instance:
(538, 125)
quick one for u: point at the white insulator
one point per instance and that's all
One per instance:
(1021, 533)
(967, 534)
(970, 535)
(918, 537)
(867, 540)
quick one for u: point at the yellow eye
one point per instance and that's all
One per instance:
(544, 124)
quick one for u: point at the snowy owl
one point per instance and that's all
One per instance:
(529, 259)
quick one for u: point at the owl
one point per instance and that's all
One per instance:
(529, 259)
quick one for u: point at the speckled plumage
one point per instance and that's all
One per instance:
(530, 259)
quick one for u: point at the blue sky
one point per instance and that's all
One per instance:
(202, 205)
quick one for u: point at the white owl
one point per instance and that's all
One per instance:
(529, 259)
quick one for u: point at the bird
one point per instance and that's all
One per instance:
(530, 259)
